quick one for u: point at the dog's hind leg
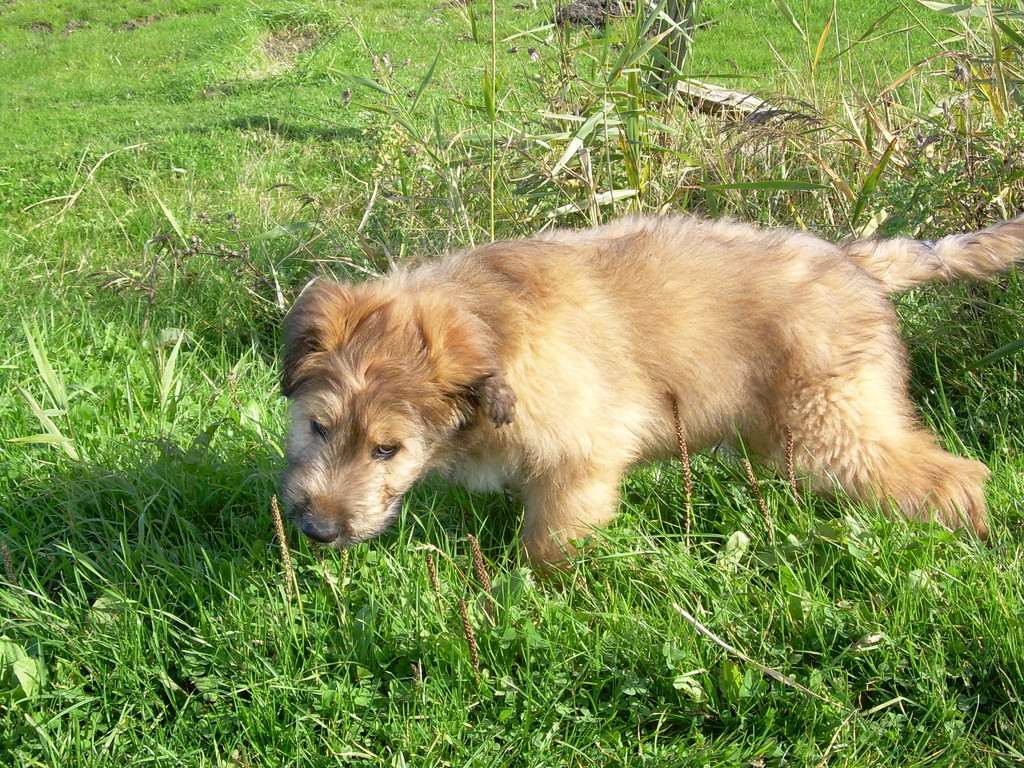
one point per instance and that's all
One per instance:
(863, 438)
(565, 506)
(914, 477)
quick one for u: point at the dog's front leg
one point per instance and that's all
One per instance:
(565, 506)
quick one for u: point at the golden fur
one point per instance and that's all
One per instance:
(550, 365)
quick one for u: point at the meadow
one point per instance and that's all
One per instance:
(172, 172)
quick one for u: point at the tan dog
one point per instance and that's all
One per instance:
(551, 364)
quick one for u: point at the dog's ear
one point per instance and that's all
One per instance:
(312, 326)
(460, 348)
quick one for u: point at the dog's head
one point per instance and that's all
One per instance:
(381, 378)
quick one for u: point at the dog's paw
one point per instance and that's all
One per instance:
(960, 497)
(944, 488)
(497, 400)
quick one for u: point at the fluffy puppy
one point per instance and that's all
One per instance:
(551, 365)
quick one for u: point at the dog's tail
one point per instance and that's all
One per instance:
(900, 263)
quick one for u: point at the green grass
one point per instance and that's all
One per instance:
(882, 39)
(173, 172)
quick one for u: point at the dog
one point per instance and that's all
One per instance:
(553, 365)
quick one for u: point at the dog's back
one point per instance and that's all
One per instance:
(604, 324)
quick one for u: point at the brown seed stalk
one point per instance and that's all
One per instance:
(478, 565)
(791, 463)
(760, 498)
(482, 577)
(434, 583)
(286, 558)
(5, 553)
(467, 628)
(684, 458)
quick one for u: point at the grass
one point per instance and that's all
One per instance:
(175, 171)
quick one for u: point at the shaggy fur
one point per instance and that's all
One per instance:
(550, 365)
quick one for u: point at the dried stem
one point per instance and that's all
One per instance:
(684, 458)
(760, 498)
(835, 737)
(291, 583)
(772, 673)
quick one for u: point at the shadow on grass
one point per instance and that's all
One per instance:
(154, 505)
(205, 508)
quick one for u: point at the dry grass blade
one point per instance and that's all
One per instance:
(71, 198)
(835, 738)
(772, 673)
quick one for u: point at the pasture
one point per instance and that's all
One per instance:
(172, 172)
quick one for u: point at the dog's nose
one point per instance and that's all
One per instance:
(323, 531)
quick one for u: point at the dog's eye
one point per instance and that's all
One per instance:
(318, 429)
(385, 451)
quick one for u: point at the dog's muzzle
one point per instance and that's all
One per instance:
(337, 530)
(323, 531)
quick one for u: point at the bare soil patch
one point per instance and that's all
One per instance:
(286, 44)
(73, 25)
(595, 13)
(142, 21)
